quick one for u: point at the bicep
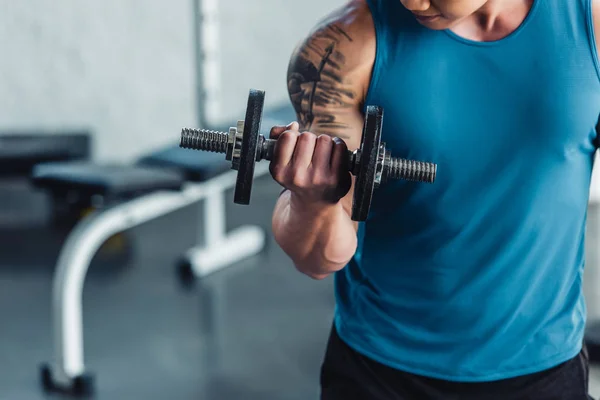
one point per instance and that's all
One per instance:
(326, 97)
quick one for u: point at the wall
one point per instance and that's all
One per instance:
(260, 60)
(126, 68)
(122, 68)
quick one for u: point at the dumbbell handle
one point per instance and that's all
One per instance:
(393, 168)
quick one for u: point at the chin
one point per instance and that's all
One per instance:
(437, 24)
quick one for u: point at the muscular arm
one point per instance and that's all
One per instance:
(328, 77)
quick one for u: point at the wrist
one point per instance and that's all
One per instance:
(311, 208)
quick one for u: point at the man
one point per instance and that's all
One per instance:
(468, 288)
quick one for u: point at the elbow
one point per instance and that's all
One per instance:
(339, 253)
(318, 277)
(320, 267)
(311, 273)
(320, 262)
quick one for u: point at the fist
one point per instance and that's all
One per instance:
(314, 168)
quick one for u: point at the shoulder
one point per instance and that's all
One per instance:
(340, 48)
(349, 27)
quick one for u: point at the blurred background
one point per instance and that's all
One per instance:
(102, 91)
(128, 70)
(94, 95)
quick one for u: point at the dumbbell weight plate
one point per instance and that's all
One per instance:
(365, 178)
(245, 176)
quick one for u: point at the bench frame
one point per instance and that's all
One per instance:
(220, 249)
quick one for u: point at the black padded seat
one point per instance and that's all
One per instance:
(114, 182)
(197, 166)
(20, 152)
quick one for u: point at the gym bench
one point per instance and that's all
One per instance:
(124, 197)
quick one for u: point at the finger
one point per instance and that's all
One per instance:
(340, 161)
(277, 130)
(303, 153)
(284, 149)
(321, 160)
(339, 158)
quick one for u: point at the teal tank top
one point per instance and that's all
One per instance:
(478, 277)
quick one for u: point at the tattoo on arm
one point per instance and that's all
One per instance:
(315, 82)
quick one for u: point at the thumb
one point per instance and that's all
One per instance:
(279, 129)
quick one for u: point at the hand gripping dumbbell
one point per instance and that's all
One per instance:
(372, 163)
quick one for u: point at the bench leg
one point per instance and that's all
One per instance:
(67, 373)
(220, 248)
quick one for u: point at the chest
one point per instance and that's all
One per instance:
(484, 102)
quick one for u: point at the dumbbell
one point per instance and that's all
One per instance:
(372, 163)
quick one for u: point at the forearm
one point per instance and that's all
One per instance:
(319, 239)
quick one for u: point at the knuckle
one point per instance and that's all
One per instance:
(298, 179)
(325, 140)
(280, 178)
(333, 179)
(285, 144)
(287, 137)
(307, 137)
(276, 170)
(324, 144)
(274, 131)
(320, 179)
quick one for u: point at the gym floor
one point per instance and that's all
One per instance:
(256, 330)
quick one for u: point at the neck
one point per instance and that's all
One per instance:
(493, 12)
(494, 20)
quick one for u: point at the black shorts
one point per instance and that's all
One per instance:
(348, 375)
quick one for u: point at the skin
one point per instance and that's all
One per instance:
(480, 20)
(328, 78)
